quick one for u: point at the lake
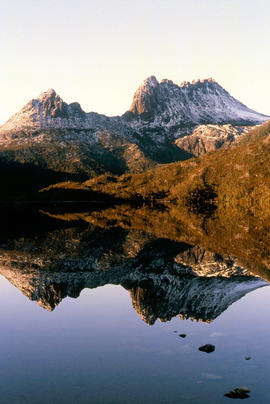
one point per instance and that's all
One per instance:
(93, 303)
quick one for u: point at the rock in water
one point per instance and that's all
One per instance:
(238, 392)
(208, 348)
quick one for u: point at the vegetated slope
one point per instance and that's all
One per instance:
(235, 177)
(51, 135)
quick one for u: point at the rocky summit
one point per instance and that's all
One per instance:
(165, 123)
(177, 108)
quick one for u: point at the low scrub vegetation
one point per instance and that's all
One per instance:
(235, 180)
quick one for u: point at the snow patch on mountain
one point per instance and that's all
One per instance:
(205, 138)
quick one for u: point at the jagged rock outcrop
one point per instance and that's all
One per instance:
(206, 138)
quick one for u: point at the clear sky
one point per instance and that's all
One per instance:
(97, 52)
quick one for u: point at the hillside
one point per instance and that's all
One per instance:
(239, 177)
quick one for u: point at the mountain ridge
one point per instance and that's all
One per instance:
(199, 102)
(150, 95)
(50, 135)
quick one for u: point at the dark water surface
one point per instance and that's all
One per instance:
(90, 304)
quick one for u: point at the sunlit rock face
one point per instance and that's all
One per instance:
(178, 108)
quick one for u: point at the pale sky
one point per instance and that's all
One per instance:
(97, 52)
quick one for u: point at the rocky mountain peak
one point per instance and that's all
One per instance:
(153, 97)
(145, 96)
(46, 111)
(170, 106)
(197, 82)
(150, 82)
(49, 104)
(168, 82)
(49, 93)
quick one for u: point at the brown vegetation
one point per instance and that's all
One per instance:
(236, 180)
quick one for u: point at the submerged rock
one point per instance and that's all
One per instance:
(182, 335)
(208, 348)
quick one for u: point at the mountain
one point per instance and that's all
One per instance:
(49, 111)
(50, 140)
(51, 134)
(155, 105)
(175, 109)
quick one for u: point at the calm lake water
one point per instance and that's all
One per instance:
(92, 314)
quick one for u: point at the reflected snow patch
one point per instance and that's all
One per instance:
(217, 334)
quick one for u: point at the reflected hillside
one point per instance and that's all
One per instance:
(244, 237)
(165, 264)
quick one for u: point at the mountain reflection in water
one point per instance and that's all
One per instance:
(145, 251)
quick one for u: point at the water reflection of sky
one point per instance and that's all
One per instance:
(96, 349)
